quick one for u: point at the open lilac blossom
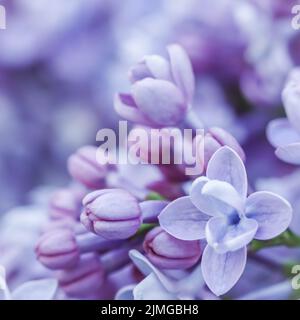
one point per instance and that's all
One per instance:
(219, 211)
(167, 252)
(284, 133)
(161, 90)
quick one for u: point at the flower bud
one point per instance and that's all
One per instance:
(83, 167)
(161, 91)
(214, 139)
(65, 203)
(163, 148)
(57, 249)
(111, 213)
(167, 252)
(85, 280)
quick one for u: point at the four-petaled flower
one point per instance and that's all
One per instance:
(284, 133)
(219, 211)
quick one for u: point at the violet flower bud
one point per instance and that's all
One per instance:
(214, 139)
(61, 248)
(57, 249)
(65, 203)
(167, 252)
(111, 213)
(161, 90)
(83, 167)
(85, 280)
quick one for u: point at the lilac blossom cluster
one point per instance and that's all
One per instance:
(151, 231)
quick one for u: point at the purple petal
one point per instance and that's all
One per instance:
(139, 72)
(281, 133)
(190, 286)
(222, 271)
(223, 196)
(125, 293)
(44, 289)
(152, 289)
(158, 66)
(146, 267)
(201, 201)
(226, 139)
(182, 70)
(126, 108)
(159, 100)
(291, 99)
(272, 212)
(151, 209)
(183, 220)
(289, 153)
(4, 291)
(226, 165)
(224, 237)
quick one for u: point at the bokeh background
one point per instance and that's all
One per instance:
(62, 61)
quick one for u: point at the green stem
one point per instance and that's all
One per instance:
(287, 238)
(144, 228)
(154, 196)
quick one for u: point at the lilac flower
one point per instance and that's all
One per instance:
(61, 246)
(164, 284)
(284, 134)
(167, 252)
(83, 167)
(287, 186)
(58, 249)
(219, 211)
(161, 90)
(65, 203)
(85, 280)
(214, 139)
(111, 213)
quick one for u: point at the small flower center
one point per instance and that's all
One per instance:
(234, 218)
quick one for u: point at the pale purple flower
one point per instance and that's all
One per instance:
(219, 211)
(161, 91)
(168, 252)
(284, 133)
